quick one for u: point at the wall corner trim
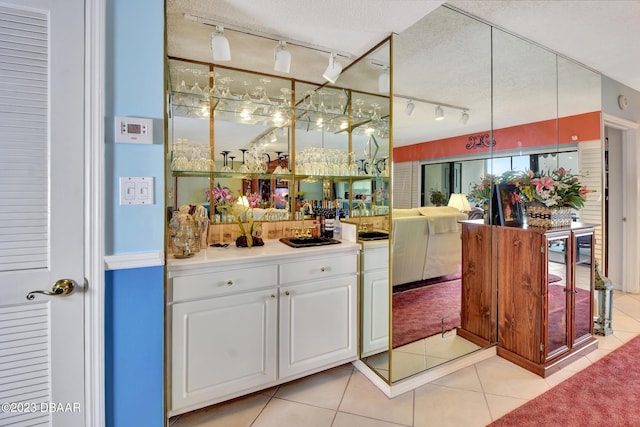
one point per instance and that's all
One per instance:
(138, 260)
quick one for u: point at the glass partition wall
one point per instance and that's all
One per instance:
(470, 103)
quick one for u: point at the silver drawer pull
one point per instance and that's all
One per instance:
(229, 282)
(323, 268)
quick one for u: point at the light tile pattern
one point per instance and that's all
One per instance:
(343, 397)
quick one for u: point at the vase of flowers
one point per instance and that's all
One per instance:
(241, 210)
(550, 197)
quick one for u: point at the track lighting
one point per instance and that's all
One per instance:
(333, 69)
(409, 108)
(282, 58)
(220, 45)
(464, 118)
(439, 113)
(384, 82)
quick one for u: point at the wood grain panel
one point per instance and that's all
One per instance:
(478, 299)
(520, 295)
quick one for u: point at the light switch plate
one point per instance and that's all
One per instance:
(136, 190)
(133, 130)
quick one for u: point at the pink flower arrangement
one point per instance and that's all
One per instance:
(554, 189)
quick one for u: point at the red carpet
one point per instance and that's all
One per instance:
(419, 312)
(606, 393)
(557, 312)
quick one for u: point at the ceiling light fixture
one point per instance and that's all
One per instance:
(282, 58)
(439, 113)
(220, 45)
(333, 69)
(384, 81)
(464, 118)
(409, 108)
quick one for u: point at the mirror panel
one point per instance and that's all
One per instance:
(442, 62)
(451, 59)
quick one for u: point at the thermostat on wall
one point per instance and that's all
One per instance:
(133, 130)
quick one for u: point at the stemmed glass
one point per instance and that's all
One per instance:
(243, 167)
(358, 114)
(278, 169)
(264, 99)
(246, 107)
(281, 114)
(226, 167)
(308, 100)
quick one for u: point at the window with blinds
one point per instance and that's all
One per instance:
(24, 140)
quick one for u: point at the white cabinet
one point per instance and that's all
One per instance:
(239, 329)
(222, 345)
(375, 298)
(318, 325)
(318, 309)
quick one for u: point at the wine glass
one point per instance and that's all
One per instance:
(225, 167)
(243, 167)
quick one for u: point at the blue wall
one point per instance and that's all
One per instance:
(134, 298)
(134, 308)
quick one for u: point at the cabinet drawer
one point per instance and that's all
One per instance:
(223, 282)
(318, 268)
(375, 259)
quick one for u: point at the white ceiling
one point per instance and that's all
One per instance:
(598, 34)
(601, 34)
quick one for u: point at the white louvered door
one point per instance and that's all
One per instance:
(41, 211)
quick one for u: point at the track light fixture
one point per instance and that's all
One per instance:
(282, 58)
(384, 81)
(439, 113)
(333, 69)
(464, 118)
(220, 45)
(409, 108)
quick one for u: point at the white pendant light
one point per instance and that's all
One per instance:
(333, 70)
(409, 108)
(282, 58)
(220, 45)
(464, 118)
(384, 81)
(439, 113)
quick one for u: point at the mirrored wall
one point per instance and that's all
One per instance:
(471, 103)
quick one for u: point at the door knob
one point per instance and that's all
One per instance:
(61, 288)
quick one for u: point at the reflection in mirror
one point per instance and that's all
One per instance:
(447, 61)
(584, 279)
(442, 88)
(558, 277)
(580, 143)
(250, 135)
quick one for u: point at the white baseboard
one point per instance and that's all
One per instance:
(139, 260)
(415, 381)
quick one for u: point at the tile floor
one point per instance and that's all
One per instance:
(343, 397)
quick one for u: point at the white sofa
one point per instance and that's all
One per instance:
(425, 243)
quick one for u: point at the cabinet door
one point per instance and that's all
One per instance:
(478, 289)
(583, 282)
(221, 346)
(318, 325)
(520, 289)
(558, 295)
(375, 312)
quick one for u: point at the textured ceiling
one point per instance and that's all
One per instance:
(598, 34)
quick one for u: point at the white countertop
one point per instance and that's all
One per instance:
(272, 250)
